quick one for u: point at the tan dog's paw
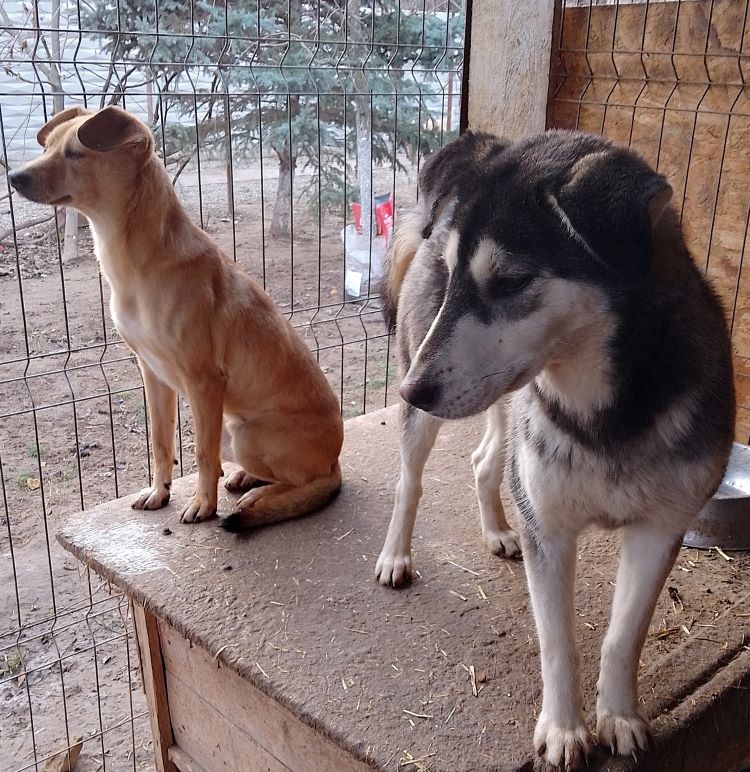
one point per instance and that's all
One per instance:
(393, 569)
(151, 498)
(248, 500)
(243, 518)
(560, 747)
(197, 511)
(240, 481)
(623, 735)
(503, 543)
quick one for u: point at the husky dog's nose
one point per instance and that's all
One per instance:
(422, 394)
(19, 179)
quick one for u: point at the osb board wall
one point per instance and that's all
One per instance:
(668, 79)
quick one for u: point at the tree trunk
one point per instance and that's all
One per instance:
(229, 169)
(58, 96)
(70, 242)
(283, 205)
(150, 102)
(449, 120)
(356, 35)
(364, 164)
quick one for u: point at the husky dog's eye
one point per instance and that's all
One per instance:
(73, 154)
(502, 286)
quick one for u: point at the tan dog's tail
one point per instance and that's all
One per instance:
(406, 240)
(279, 501)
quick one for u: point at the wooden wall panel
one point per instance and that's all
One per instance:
(668, 79)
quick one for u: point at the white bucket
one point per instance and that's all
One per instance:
(364, 261)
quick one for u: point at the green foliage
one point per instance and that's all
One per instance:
(294, 71)
(37, 451)
(12, 662)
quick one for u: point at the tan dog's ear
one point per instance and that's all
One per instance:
(111, 128)
(62, 117)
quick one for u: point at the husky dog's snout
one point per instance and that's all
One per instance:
(423, 393)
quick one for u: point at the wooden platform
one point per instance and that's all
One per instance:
(278, 651)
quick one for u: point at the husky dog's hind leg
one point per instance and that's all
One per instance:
(488, 461)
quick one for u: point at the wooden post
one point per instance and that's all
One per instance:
(509, 60)
(154, 684)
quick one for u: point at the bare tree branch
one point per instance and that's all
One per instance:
(181, 167)
(25, 226)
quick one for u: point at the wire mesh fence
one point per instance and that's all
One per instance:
(276, 120)
(670, 80)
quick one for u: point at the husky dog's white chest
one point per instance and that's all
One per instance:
(570, 486)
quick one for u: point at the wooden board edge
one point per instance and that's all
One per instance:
(154, 684)
(182, 761)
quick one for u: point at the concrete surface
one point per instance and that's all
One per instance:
(295, 610)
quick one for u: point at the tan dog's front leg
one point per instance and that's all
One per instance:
(162, 411)
(206, 400)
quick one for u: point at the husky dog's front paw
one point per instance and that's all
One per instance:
(154, 497)
(562, 746)
(503, 543)
(623, 735)
(198, 510)
(393, 568)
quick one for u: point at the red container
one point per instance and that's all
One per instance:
(383, 215)
(357, 212)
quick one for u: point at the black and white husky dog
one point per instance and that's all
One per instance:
(547, 282)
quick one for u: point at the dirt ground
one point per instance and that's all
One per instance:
(73, 434)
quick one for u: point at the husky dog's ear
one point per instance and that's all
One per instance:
(113, 128)
(453, 170)
(62, 117)
(609, 203)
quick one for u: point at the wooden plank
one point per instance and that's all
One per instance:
(240, 713)
(184, 762)
(509, 66)
(315, 639)
(669, 80)
(152, 668)
(211, 738)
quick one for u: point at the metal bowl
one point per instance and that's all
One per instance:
(725, 519)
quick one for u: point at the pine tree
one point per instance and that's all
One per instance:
(320, 83)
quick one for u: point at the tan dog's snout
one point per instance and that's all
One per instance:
(31, 185)
(19, 179)
(43, 180)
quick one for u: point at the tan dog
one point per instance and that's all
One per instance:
(198, 325)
